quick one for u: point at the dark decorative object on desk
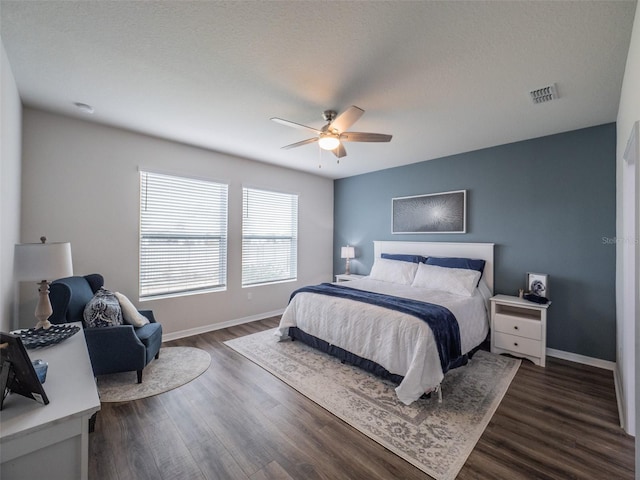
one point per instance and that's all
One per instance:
(41, 337)
(41, 367)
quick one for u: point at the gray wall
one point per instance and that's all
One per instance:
(549, 205)
(80, 183)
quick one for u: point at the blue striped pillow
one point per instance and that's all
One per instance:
(404, 257)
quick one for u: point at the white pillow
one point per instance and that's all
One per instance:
(393, 271)
(130, 313)
(484, 290)
(458, 281)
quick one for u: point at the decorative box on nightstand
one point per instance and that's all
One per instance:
(343, 277)
(519, 327)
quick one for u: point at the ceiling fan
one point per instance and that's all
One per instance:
(331, 136)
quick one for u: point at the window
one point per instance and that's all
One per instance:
(183, 235)
(269, 237)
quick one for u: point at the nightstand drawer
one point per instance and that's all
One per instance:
(525, 346)
(522, 327)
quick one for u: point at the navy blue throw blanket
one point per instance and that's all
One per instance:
(442, 322)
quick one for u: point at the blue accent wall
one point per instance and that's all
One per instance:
(549, 205)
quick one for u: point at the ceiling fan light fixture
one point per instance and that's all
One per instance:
(328, 142)
(333, 135)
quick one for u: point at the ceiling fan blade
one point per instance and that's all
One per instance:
(289, 123)
(346, 118)
(299, 144)
(339, 151)
(364, 137)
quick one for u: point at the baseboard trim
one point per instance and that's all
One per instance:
(574, 357)
(219, 326)
(619, 395)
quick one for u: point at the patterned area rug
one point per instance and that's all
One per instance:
(176, 366)
(436, 438)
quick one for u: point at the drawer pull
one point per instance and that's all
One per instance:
(515, 344)
(515, 327)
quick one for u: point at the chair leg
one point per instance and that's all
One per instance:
(158, 355)
(139, 376)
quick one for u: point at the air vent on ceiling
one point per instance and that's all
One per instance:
(544, 94)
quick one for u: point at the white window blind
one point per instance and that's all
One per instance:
(183, 235)
(269, 237)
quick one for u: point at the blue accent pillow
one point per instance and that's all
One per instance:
(455, 262)
(403, 257)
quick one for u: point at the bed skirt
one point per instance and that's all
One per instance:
(347, 357)
(352, 359)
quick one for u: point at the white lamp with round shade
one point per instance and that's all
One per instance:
(348, 253)
(41, 263)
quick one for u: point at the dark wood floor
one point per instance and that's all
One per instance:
(236, 421)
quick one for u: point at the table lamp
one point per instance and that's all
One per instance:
(42, 262)
(348, 253)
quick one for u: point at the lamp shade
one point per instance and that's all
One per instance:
(347, 252)
(42, 261)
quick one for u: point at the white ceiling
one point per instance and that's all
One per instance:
(441, 77)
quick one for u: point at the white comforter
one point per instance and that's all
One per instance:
(401, 343)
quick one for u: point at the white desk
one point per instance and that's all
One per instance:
(52, 441)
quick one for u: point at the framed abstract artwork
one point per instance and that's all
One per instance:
(430, 213)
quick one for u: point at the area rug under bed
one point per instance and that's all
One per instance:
(436, 438)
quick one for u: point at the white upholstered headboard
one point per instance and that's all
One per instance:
(482, 251)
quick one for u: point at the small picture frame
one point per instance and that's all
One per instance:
(17, 372)
(538, 284)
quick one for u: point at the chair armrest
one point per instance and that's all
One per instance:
(118, 333)
(149, 315)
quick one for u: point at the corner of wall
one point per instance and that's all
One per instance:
(10, 190)
(628, 249)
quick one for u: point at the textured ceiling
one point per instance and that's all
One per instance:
(441, 77)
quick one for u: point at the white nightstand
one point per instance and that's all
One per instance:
(519, 327)
(343, 277)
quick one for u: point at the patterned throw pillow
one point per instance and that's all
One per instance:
(103, 310)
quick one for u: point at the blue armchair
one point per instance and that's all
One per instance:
(114, 349)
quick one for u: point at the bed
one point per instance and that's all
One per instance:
(401, 344)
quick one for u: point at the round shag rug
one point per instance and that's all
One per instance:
(175, 367)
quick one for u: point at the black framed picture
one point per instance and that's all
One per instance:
(430, 213)
(17, 374)
(538, 284)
